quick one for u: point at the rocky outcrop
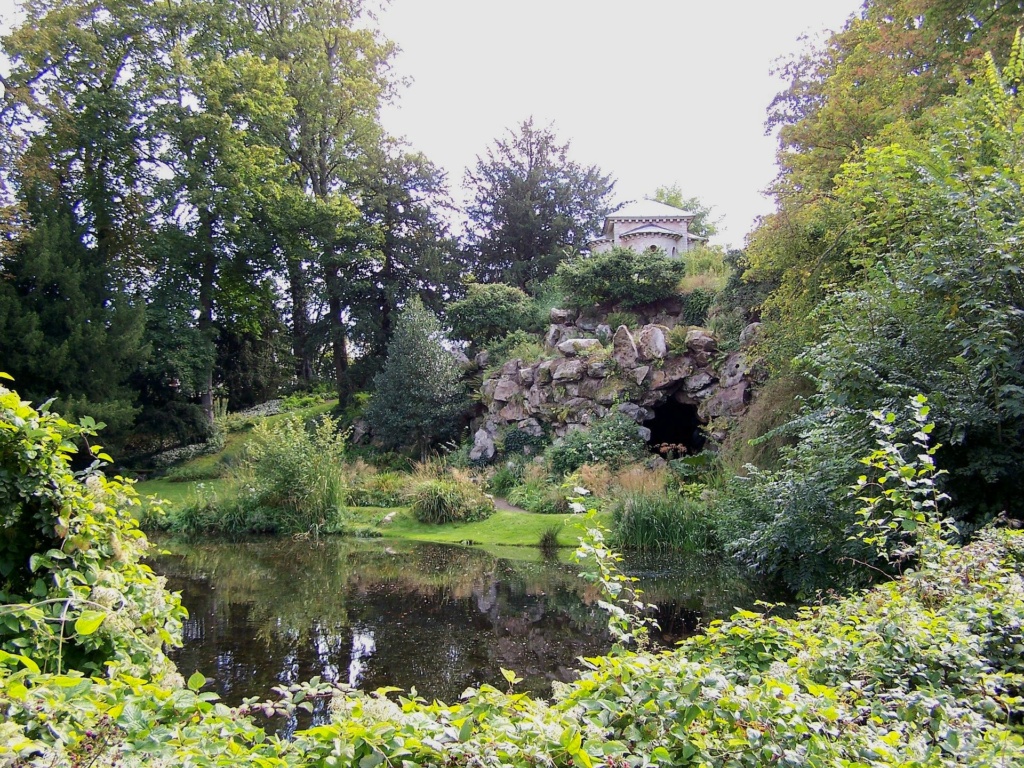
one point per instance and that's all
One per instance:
(585, 377)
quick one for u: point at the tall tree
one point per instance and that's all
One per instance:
(403, 198)
(75, 143)
(337, 75)
(530, 205)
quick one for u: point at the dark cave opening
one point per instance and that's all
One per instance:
(676, 430)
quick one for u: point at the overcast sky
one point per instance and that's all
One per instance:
(654, 92)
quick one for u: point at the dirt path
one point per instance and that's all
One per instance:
(500, 503)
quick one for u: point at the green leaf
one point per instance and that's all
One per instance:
(196, 681)
(89, 622)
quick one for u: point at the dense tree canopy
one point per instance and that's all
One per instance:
(531, 205)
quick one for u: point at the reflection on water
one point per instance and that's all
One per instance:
(434, 617)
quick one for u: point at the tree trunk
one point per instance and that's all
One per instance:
(207, 278)
(298, 290)
(337, 328)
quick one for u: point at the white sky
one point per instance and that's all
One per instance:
(654, 92)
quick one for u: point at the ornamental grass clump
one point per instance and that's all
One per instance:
(659, 521)
(450, 497)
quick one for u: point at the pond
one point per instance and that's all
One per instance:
(437, 618)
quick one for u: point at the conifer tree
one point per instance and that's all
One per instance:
(419, 394)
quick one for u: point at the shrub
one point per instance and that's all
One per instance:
(518, 441)
(450, 499)
(617, 318)
(795, 524)
(378, 489)
(707, 260)
(613, 440)
(490, 311)
(74, 595)
(656, 521)
(539, 496)
(290, 480)
(620, 276)
(525, 346)
(505, 478)
(696, 304)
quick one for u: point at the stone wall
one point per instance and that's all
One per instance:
(590, 371)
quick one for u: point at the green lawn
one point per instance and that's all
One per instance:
(176, 493)
(501, 528)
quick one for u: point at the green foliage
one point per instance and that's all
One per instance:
(300, 401)
(449, 499)
(612, 440)
(901, 516)
(629, 619)
(660, 521)
(490, 311)
(531, 205)
(618, 317)
(73, 592)
(378, 489)
(535, 493)
(795, 524)
(620, 276)
(419, 395)
(707, 260)
(520, 442)
(290, 480)
(506, 477)
(696, 304)
(925, 670)
(518, 344)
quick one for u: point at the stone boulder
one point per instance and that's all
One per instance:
(727, 401)
(571, 347)
(504, 390)
(733, 370)
(570, 370)
(698, 381)
(561, 316)
(652, 343)
(639, 373)
(701, 344)
(483, 446)
(624, 351)
(511, 368)
(671, 373)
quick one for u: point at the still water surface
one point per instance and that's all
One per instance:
(439, 618)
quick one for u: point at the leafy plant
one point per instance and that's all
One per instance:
(612, 440)
(450, 499)
(620, 276)
(490, 311)
(618, 317)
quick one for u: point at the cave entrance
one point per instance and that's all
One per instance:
(676, 430)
